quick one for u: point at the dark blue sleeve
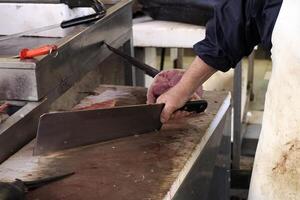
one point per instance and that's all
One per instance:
(230, 35)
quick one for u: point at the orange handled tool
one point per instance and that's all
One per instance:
(31, 53)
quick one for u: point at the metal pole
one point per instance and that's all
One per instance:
(162, 58)
(130, 73)
(251, 74)
(139, 53)
(237, 123)
(178, 63)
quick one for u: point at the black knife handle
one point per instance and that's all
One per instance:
(82, 20)
(97, 5)
(195, 106)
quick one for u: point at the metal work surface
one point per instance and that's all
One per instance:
(149, 166)
(9, 48)
(77, 54)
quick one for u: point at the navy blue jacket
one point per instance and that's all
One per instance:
(236, 28)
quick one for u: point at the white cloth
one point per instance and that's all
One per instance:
(276, 172)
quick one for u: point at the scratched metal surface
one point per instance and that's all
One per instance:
(79, 53)
(143, 167)
(12, 47)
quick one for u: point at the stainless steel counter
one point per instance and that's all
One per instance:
(188, 158)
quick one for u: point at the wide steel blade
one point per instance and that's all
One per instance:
(64, 130)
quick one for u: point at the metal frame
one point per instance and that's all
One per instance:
(251, 74)
(237, 123)
(209, 178)
(78, 55)
(238, 117)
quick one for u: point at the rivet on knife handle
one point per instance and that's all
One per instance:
(195, 106)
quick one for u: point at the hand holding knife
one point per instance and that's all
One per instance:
(190, 106)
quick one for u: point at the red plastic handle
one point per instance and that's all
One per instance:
(31, 53)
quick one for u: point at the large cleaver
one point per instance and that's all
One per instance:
(64, 130)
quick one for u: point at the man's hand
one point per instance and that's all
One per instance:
(178, 95)
(164, 89)
(166, 80)
(173, 100)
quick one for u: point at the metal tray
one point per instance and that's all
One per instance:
(78, 53)
(53, 82)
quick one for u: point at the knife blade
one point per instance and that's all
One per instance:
(64, 130)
